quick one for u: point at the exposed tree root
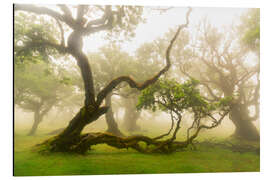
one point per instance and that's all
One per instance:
(139, 143)
(82, 143)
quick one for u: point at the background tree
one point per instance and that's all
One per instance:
(37, 89)
(37, 84)
(109, 63)
(226, 68)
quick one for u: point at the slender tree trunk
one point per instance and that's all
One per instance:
(111, 123)
(67, 139)
(39, 114)
(131, 115)
(130, 120)
(245, 129)
(75, 43)
(37, 119)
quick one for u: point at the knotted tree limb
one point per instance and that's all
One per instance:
(152, 145)
(140, 86)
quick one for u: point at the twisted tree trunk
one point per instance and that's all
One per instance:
(245, 129)
(37, 120)
(65, 141)
(131, 115)
(38, 116)
(111, 123)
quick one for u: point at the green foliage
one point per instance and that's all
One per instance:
(30, 82)
(110, 62)
(170, 95)
(40, 84)
(29, 28)
(250, 29)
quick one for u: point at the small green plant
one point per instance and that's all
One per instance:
(175, 98)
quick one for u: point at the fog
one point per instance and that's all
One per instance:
(51, 88)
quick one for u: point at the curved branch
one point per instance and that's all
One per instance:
(103, 23)
(210, 91)
(133, 84)
(166, 134)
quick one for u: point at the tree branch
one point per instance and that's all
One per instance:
(65, 10)
(103, 23)
(42, 43)
(102, 94)
(189, 140)
(166, 134)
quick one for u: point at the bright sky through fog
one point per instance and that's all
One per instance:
(157, 24)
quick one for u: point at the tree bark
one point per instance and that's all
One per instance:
(245, 129)
(131, 115)
(65, 141)
(75, 43)
(37, 119)
(111, 123)
(130, 120)
(87, 114)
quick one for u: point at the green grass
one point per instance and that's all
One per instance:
(107, 160)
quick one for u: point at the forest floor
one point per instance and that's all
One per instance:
(103, 159)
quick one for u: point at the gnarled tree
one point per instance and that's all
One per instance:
(71, 138)
(226, 69)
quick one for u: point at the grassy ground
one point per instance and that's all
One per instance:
(107, 160)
